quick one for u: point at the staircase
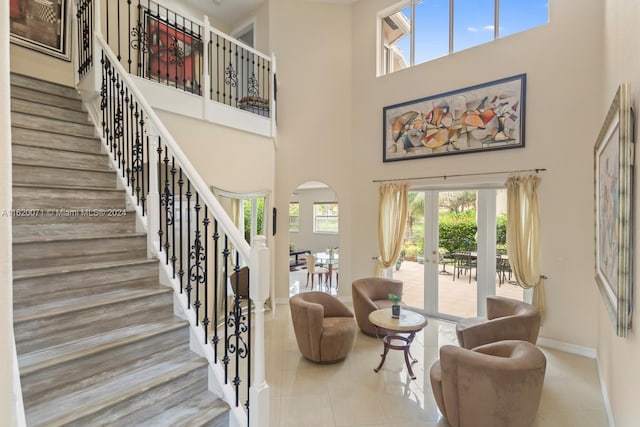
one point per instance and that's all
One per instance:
(97, 340)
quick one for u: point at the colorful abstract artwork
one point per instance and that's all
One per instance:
(40, 25)
(613, 170)
(174, 54)
(485, 117)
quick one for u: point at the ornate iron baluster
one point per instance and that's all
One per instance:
(236, 343)
(198, 269)
(225, 256)
(205, 320)
(173, 223)
(189, 287)
(181, 270)
(216, 274)
(160, 209)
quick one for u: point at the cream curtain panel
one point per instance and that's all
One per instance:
(392, 220)
(523, 236)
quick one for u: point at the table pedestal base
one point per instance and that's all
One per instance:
(406, 339)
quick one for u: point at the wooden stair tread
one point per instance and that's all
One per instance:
(79, 238)
(68, 187)
(36, 84)
(85, 402)
(64, 150)
(42, 359)
(83, 302)
(193, 412)
(39, 272)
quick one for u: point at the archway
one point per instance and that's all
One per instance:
(314, 230)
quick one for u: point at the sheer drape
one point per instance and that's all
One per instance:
(392, 219)
(523, 236)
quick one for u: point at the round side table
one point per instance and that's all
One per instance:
(403, 329)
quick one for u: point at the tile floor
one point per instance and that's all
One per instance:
(350, 393)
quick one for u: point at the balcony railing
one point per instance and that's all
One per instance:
(197, 243)
(158, 44)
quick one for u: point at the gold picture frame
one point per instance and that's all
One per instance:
(41, 25)
(613, 178)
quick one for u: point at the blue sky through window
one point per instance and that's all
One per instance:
(473, 24)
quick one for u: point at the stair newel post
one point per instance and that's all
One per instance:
(153, 199)
(206, 72)
(259, 292)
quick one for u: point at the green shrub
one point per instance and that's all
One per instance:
(457, 231)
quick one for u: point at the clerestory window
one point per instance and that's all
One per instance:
(417, 31)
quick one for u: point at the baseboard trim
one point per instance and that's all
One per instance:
(589, 352)
(605, 395)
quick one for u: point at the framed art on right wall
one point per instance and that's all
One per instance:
(613, 172)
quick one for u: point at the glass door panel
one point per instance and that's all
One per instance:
(458, 253)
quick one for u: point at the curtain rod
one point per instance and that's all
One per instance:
(537, 170)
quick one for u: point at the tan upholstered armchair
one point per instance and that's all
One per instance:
(507, 319)
(494, 385)
(324, 326)
(371, 294)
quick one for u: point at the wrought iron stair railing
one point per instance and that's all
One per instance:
(197, 243)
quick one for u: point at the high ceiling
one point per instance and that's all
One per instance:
(226, 10)
(233, 10)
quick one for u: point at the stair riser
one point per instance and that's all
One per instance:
(40, 175)
(57, 253)
(18, 80)
(51, 157)
(34, 287)
(68, 202)
(50, 111)
(67, 376)
(38, 138)
(38, 334)
(110, 415)
(76, 226)
(51, 125)
(46, 98)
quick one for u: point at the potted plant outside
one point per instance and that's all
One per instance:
(395, 308)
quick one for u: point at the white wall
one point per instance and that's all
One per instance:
(618, 357)
(227, 158)
(563, 116)
(312, 43)
(305, 238)
(23, 61)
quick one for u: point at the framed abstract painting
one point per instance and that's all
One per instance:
(485, 117)
(41, 25)
(613, 172)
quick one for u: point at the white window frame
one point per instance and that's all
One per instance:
(296, 230)
(315, 216)
(383, 50)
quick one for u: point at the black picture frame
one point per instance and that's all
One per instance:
(484, 117)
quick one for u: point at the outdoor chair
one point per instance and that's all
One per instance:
(464, 261)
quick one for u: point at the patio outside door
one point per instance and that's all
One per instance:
(459, 267)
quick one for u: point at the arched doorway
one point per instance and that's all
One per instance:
(314, 230)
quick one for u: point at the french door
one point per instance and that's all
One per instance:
(460, 272)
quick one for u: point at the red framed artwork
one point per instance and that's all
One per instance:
(174, 54)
